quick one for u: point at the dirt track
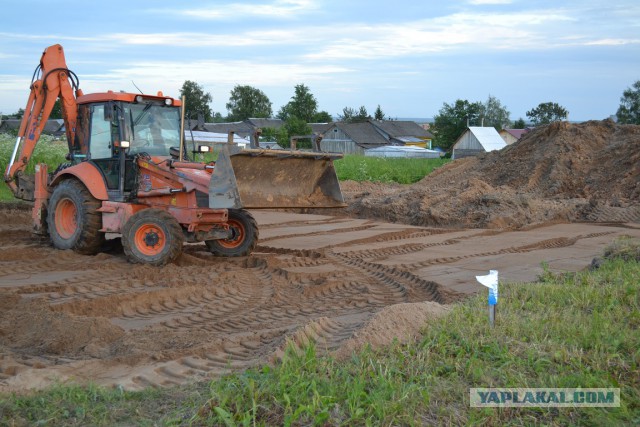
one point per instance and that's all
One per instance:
(337, 281)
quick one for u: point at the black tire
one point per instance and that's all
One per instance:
(244, 239)
(73, 219)
(152, 236)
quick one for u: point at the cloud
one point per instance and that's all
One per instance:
(214, 72)
(11, 82)
(361, 41)
(483, 2)
(217, 76)
(612, 42)
(250, 38)
(457, 31)
(48, 37)
(282, 9)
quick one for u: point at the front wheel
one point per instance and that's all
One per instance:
(73, 219)
(152, 236)
(244, 236)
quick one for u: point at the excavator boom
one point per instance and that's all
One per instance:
(54, 81)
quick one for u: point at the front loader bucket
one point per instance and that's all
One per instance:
(271, 179)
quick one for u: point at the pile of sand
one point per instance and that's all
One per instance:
(558, 172)
(33, 328)
(399, 322)
(402, 323)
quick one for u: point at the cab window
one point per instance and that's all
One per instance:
(154, 128)
(100, 145)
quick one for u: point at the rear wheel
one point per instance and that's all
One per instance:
(244, 236)
(73, 219)
(152, 236)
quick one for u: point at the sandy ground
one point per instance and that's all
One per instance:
(404, 253)
(340, 282)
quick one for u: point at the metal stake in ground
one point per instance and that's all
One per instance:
(491, 282)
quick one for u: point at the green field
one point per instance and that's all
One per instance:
(376, 169)
(570, 330)
(48, 150)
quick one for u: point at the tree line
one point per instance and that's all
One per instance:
(246, 102)
(452, 120)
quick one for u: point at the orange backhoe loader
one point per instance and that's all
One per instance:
(128, 171)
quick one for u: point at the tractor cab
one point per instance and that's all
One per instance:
(113, 128)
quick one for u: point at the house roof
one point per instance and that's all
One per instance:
(320, 127)
(10, 124)
(265, 123)
(270, 145)
(240, 128)
(213, 137)
(51, 127)
(244, 128)
(408, 139)
(488, 137)
(54, 126)
(363, 134)
(402, 128)
(402, 149)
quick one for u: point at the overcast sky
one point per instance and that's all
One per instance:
(407, 56)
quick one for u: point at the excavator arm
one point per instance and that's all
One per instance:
(51, 80)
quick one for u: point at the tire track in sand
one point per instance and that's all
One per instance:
(204, 316)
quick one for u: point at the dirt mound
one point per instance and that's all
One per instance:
(32, 327)
(559, 172)
(14, 213)
(402, 322)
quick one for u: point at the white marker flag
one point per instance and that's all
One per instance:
(491, 282)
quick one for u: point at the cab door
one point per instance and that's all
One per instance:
(104, 132)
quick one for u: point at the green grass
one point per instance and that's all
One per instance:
(48, 150)
(376, 169)
(5, 193)
(570, 330)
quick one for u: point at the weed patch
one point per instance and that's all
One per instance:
(387, 170)
(48, 150)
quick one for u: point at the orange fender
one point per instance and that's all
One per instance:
(89, 175)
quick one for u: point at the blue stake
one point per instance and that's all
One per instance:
(491, 282)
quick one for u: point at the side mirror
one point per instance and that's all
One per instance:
(108, 112)
(174, 152)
